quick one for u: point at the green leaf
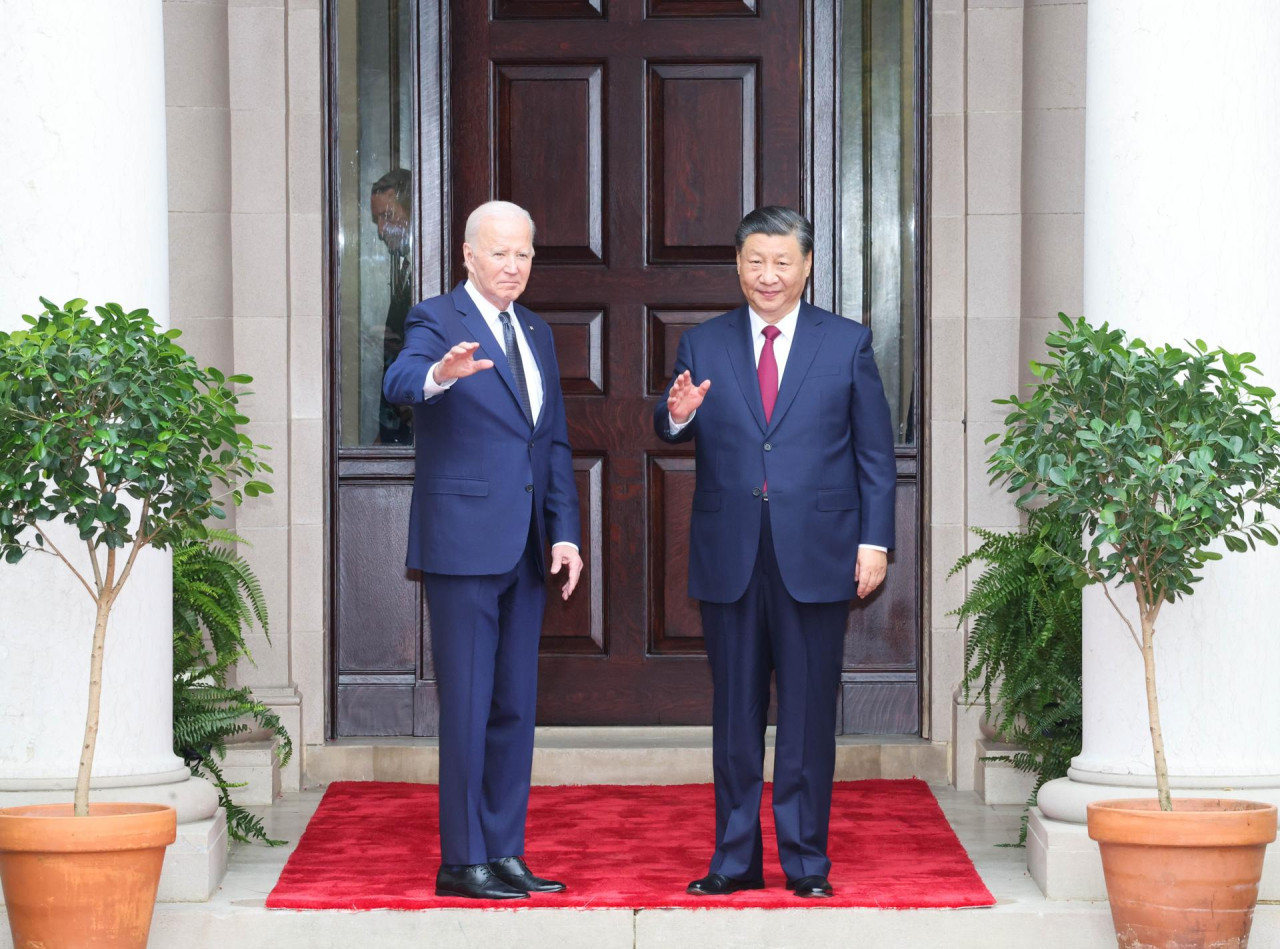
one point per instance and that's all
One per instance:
(1162, 450)
(110, 387)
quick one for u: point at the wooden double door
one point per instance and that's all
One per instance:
(637, 133)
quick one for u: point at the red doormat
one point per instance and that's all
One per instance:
(376, 845)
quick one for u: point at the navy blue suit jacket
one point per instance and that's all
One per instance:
(827, 454)
(481, 468)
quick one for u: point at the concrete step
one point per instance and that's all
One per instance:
(619, 755)
(236, 915)
(253, 764)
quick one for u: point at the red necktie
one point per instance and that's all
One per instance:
(767, 370)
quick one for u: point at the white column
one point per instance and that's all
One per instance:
(83, 188)
(1182, 201)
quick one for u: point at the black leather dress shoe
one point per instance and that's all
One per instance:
(475, 882)
(513, 871)
(810, 886)
(717, 884)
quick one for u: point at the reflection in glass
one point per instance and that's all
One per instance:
(877, 174)
(375, 185)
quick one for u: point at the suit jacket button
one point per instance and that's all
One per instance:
(529, 488)
(755, 492)
(768, 447)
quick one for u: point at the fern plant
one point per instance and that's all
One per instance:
(1024, 650)
(216, 598)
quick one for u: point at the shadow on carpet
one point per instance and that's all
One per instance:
(376, 845)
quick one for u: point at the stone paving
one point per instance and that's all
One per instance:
(236, 915)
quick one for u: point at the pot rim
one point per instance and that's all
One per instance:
(1194, 822)
(111, 825)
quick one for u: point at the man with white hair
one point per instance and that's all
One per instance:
(493, 488)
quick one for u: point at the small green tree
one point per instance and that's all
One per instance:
(97, 411)
(1160, 452)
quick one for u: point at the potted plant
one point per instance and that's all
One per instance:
(1022, 654)
(216, 599)
(106, 425)
(1161, 452)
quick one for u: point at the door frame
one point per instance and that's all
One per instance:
(820, 165)
(429, 46)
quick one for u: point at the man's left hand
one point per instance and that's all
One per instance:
(565, 555)
(872, 566)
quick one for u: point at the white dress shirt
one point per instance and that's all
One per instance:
(781, 350)
(532, 377)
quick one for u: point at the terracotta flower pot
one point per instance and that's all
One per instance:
(83, 882)
(1185, 878)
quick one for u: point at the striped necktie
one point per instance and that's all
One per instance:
(517, 364)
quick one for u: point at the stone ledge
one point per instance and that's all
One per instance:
(253, 764)
(1066, 865)
(196, 862)
(620, 756)
(1063, 860)
(999, 782)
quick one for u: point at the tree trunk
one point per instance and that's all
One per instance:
(1153, 713)
(91, 718)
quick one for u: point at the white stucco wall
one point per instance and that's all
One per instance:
(83, 193)
(1181, 208)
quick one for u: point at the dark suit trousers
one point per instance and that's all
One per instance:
(484, 641)
(801, 643)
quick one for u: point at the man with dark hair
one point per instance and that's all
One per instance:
(792, 518)
(390, 200)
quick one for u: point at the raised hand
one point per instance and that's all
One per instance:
(685, 397)
(458, 363)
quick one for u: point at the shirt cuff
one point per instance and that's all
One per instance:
(675, 428)
(431, 388)
(883, 550)
(567, 543)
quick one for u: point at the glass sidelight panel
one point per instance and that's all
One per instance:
(878, 190)
(375, 230)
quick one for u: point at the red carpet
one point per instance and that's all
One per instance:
(375, 845)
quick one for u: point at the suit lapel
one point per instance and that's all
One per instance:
(804, 347)
(479, 332)
(743, 359)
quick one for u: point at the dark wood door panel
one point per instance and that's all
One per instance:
(689, 8)
(666, 325)
(382, 709)
(881, 678)
(556, 174)
(576, 626)
(698, 194)
(580, 347)
(379, 609)
(675, 627)
(887, 705)
(673, 100)
(883, 628)
(547, 9)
